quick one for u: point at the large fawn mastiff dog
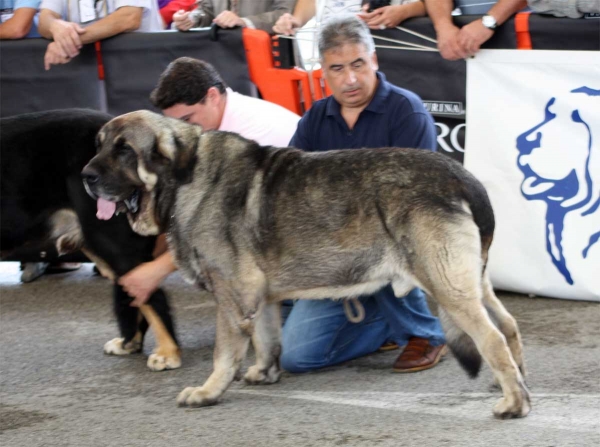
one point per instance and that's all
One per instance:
(256, 225)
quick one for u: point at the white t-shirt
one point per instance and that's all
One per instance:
(266, 123)
(330, 8)
(86, 12)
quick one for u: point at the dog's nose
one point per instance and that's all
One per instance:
(90, 175)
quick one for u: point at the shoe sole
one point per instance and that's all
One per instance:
(436, 360)
(390, 347)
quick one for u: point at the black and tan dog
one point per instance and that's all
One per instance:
(256, 225)
(46, 213)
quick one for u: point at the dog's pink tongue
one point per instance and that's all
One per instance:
(106, 209)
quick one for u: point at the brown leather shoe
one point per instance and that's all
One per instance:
(419, 355)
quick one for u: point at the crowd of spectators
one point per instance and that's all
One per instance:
(71, 24)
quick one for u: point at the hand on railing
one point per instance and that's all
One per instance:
(55, 55)
(184, 20)
(287, 24)
(66, 35)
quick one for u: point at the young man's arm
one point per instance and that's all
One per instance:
(440, 13)
(143, 280)
(18, 25)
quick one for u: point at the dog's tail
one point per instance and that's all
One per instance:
(462, 346)
(474, 193)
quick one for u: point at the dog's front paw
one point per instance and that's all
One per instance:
(196, 397)
(116, 347)
(157, 362)
(257, 376)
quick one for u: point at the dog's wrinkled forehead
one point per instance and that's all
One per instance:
(135, 129)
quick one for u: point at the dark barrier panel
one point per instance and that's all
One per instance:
(27, 87)
(550, 33)
(133, 63)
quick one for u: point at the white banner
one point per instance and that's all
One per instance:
(533, 139)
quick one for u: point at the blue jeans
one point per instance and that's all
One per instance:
(318, 334)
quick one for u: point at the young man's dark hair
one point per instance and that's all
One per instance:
(186, 81)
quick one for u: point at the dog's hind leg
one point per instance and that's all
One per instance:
(266, 340)
(450, 267)
(470, 316)
(230, 349)
(505, 321)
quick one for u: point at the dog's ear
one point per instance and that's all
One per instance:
(178, 142)
(186, 138)
(185, 159)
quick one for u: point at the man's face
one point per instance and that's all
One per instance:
(205, 114)
(350, 72)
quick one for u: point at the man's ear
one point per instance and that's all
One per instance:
(374, 61)
(186, 139)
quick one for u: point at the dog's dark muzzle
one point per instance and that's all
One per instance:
(90, 179)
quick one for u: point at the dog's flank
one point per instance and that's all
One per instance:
(260, 224)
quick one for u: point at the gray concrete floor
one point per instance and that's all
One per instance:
(58, 389)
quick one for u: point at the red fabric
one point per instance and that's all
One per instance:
(98, 47)
(175, 5)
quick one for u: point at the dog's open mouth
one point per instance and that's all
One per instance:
(106, 208)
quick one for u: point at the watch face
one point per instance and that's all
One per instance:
(489, 22)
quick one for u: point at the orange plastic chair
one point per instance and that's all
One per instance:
(321, 89)
(289, 88)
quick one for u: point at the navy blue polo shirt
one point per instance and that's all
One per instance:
(395, 117)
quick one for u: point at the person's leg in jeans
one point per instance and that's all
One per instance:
(409, 317)
(412, 325)
(317, 333)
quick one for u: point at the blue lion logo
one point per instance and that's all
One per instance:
(569, 185)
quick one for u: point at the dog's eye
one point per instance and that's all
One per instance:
(122, 148)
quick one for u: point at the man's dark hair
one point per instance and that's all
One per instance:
(186, 81)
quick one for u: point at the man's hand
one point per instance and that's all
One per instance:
(228, 19)
(287, 24)
(55, 55)
(385, 17)
(448, 43)
(182, 20)
(66, 35)
(473, 35)
(141, 282)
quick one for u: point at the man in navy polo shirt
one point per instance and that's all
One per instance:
(364, 111)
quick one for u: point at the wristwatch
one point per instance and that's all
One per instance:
(489, 22)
